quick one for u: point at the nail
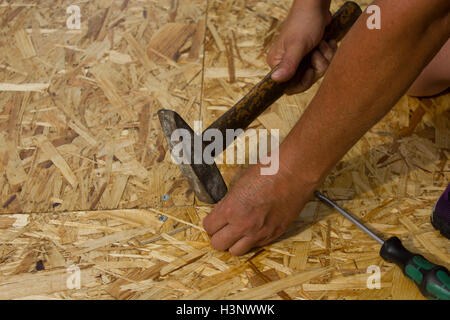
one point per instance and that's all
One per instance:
(165, 197)
(277, 74)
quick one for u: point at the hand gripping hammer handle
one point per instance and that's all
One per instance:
(266, 92)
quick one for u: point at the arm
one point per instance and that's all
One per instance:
(370, 72)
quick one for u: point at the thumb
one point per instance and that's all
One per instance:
(292, 56)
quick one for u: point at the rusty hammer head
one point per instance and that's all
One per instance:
(205, 179)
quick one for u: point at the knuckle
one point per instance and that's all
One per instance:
(275, 55)
(272, 55)
(316, 57)
(323, 46)
(327, 53)
(254, 223)
(258, 222)
(319, 63)
(333, 45)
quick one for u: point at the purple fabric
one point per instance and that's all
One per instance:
(442, 208)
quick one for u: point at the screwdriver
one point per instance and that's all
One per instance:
(432, 280)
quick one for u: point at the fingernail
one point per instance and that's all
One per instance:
(277, 74)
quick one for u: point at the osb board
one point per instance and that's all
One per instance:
(131, 254)
(110, 156)
(81, 131)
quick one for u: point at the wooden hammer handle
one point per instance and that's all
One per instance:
(266, 92)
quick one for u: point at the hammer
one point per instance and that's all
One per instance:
(205, 179)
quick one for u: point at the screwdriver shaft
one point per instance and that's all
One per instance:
(348, 216)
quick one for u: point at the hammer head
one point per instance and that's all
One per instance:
(205, 179)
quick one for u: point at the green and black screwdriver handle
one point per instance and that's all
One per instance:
(432, 280)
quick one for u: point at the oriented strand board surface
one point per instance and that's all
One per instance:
(85, 173)
(82, 132)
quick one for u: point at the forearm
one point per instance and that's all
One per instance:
(370, 72)
(323, 4)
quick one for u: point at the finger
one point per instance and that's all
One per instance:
(333, 44)
(326, 50)
(242, 246)
(215, 220)
(266, 235)
(289, 63)
(271, 237)
(225, 238)
(275, 55)
(329, 17)
(304, 84)
(319, 63)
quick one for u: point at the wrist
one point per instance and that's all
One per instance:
(298, 169)
(284, 185)
(303, 158)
